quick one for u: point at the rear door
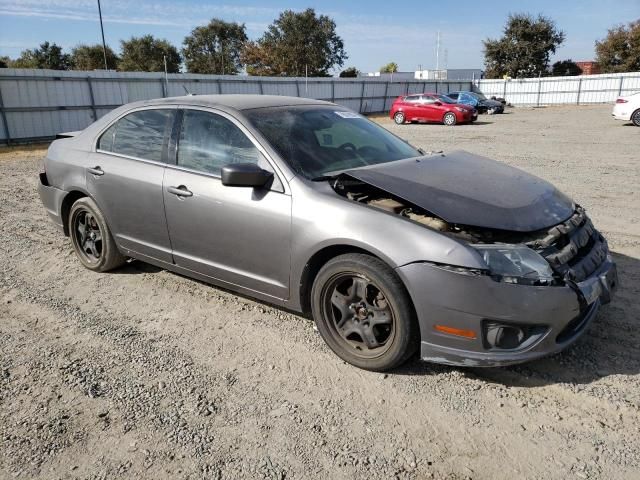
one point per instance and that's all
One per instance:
(430, 112)
(125, 179)
(237, 235)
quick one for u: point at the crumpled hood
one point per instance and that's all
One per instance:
(468, 189)
(490, 103)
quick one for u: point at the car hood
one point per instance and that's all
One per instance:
(466, 189)
(490, 103)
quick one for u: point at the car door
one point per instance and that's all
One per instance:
(125, 176)
(410, 106)
(429, 111)
(467, 99)
(238, 235)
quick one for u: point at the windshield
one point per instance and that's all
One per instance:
(316, 140)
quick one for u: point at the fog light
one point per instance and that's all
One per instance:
(504, 336)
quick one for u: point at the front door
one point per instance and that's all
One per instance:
(238, 235)
(125, 179)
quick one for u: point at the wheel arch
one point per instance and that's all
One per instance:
(320, 258)
(65, 207)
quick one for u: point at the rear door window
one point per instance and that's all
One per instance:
(140, 134)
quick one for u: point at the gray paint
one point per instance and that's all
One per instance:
(259, 242)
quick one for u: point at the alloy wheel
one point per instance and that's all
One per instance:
(88, 235)
(359, 314)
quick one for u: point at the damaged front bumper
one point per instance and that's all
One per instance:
(550, 318)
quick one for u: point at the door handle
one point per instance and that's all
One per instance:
(180, 191)
(96, 171)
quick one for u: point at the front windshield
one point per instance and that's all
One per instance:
(315, 140)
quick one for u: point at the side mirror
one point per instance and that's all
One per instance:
(438, 104)
(245, 175)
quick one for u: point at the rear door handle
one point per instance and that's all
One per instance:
(96, 171)
(180, 191)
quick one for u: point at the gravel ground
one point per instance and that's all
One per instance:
(144, 373)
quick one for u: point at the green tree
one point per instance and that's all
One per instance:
(351, 72)
(47, 55)
(295, 44)
(524, 49)
(91, 57)
(620, 50)
(565, 68)
(146, 54)
(391, 67)
(215, 48)
(5, 62)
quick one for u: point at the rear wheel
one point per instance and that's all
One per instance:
(364, 313)
(399, 118)
(635, 118)
(449, 118)
(91, 238)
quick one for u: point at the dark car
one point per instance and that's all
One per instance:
(430, 108)
(308, 205)
(478, 101)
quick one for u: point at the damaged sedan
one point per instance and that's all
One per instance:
(307, 205)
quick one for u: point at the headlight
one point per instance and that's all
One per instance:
(516, 264)
(460, 109)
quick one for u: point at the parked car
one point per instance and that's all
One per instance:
(628, 109)
(478, 101)
(430, 107)
(307, 205)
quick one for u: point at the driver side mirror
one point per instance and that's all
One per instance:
(437, 103)
(245, 175)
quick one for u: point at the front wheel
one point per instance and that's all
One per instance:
(91, 238)
(364, 313)
(399, 118)
(635, 118)
(449, 119)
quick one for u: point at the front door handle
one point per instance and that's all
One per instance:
(96, 171)
(180, 191)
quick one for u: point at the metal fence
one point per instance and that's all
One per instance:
(38, 104)
(580, 90)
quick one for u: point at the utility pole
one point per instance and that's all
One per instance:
(438, 53)
(104, 45)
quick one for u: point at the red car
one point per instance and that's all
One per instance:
(431, 107)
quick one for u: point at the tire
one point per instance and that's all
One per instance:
(635, 118)
(379, 328)
(91, 237)
(449, 119)
(399, 118)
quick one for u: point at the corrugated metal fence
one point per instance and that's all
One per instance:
(38, 104)
(580, 90)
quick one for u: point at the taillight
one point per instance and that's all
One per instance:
(621, 100)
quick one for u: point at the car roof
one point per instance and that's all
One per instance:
(236, 102)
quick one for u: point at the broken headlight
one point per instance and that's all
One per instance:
(516, 264)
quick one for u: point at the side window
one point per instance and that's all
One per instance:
(453, 96)
(209, 141)
(140, 134)
(412, 98)
(428, 100)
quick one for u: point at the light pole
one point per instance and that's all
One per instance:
(104, 45)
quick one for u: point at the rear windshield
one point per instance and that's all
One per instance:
(316, 140)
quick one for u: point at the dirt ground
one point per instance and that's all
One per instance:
(144, 373)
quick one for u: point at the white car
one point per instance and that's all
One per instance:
(628, 108)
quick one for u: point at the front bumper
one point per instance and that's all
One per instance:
(558, 314)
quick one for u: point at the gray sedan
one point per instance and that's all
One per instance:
(310, 206)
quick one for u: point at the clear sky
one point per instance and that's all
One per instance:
(375, 32)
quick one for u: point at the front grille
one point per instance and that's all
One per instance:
(574, 248)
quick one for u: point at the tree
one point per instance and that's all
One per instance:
(215, 48)
(91, 57)
(565, 68)
(524, 49)
(391, 67)
(620, 50)
(47, 55)
(351, 72)
(5, 62)
(145, 54)
(295, 44)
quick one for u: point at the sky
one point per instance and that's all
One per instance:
(375, 32)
